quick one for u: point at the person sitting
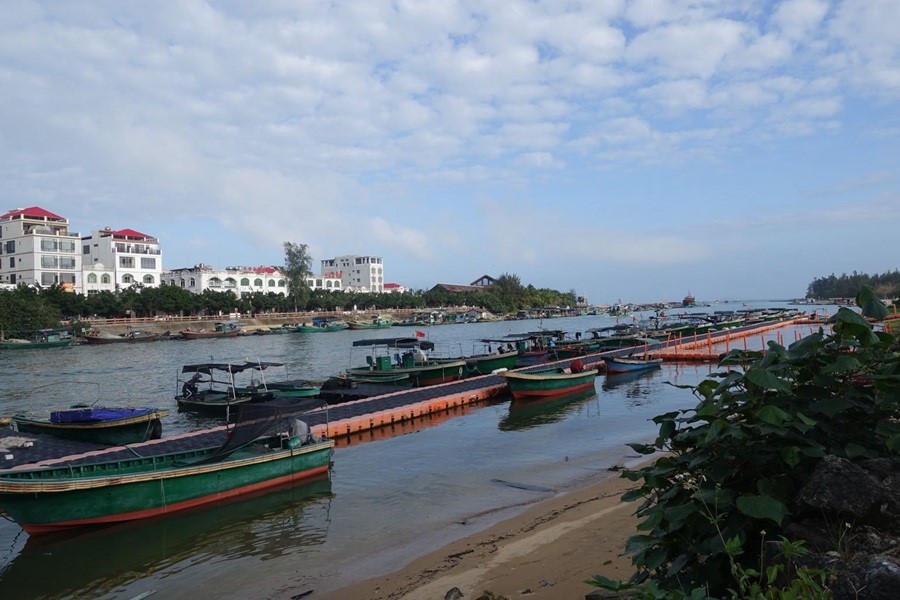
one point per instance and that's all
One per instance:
(577, 366)
(189, 389)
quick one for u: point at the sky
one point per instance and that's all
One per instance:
(635, 150)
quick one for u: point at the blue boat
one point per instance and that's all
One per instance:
(628, 365)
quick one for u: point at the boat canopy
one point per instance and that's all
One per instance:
(400, 342)
(528, 335)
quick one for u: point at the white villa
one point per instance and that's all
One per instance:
(240, 280)
(115, 260)
(357, 273)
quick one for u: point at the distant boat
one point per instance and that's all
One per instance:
(44, 338)
(132, 337)
(626, 365)
(376, 323)
(103, 425)
(550, 382)
(221, 330)
(322, 325)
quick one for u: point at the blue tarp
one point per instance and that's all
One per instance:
(81, 415)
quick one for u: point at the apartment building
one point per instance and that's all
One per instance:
(37, 248)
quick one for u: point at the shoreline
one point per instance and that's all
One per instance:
(545, 552)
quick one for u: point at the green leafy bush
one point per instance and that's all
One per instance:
(734, 463)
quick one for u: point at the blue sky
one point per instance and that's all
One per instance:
(628, 149)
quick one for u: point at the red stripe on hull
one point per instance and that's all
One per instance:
(524, 394)
(153, 512)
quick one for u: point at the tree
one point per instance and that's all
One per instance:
(297, 267)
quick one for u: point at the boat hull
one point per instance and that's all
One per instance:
(35, 345)
(47, 503)
(629, 365)
(524, 386)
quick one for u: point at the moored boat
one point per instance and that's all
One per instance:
(104, 425)
(412, 366)
(150, 483)
(44, 338)
(628, 364)
(375, 323)
(322, 325)
(221, 330)
(550, 382)
(132, 337)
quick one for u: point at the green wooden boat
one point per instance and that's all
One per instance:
(411, 366)
(46, 499)
(376, 323)
(485, 364)
(122, 426)
(45, 338)
(322, 325)
(550, 382)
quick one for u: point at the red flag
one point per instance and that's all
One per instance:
(420, 334)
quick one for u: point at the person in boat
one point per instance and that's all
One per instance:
(189, 389)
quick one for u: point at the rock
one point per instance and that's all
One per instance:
(869, 578)
(881, 468)
(840, 488)
(453, 593)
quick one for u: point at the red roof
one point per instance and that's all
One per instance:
(32, 212)
(131, 233)
(390, 286)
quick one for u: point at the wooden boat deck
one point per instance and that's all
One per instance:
(340, 419)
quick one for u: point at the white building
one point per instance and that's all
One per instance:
(240, 280)
(128, 255)
(357, 273)
(38, 249)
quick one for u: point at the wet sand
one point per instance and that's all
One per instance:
(546, 552)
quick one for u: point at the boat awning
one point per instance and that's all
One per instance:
(208, 368)
(404, 342)
(260, 365)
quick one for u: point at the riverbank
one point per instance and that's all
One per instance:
(547, 552)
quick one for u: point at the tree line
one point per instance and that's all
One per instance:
(27, 308)
(885, 285)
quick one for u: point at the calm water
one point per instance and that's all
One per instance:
(387, 501)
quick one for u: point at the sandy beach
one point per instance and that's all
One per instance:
(544, 553)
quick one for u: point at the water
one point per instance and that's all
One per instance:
(387, 501)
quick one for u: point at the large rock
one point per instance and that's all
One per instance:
(839, 488)
(868, 578)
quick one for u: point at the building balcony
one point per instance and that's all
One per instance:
(128, 249)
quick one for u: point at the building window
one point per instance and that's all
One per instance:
(86, 249)
(49, 262)
(48, 278)
(281, 283)
(12, 278)
(215, 282)
(120, 247)
(105, 278)
(230, 282)
(126, 262)
(271, 283)
(10, 246)
(127, 279)
(67, 278)
(148, 278)
(92, 278)
(257, 282)
(48, 245)
(67, 246)
(245, 281)
(182, 282)
(328, 284)
(148, 263)
(66, 262)
(193, 282)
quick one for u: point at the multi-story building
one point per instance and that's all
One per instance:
(130, 256)
(38, 249)
(357, 273)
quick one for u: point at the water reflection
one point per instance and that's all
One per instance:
(95, 561)
(525, 414)
(634, 386)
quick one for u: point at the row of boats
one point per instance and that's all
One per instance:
(267, 443)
